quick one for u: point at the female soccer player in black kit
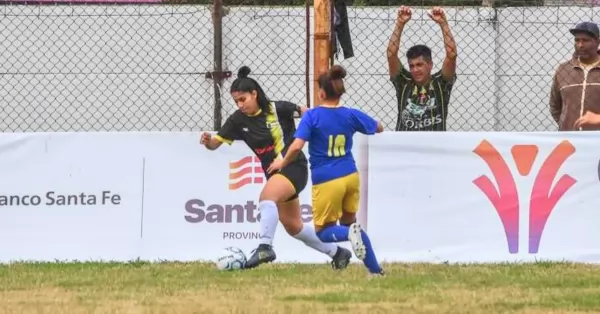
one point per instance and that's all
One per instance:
(268, 127)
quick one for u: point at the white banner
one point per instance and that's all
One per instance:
(123, 196)
(69, 196)
(434, 197)
(485, 197)
(198, 201)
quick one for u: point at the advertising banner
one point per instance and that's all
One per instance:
(433, 197)
(485, 197)
(198, 202)
(69, 196)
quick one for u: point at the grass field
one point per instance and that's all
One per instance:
(198, 288)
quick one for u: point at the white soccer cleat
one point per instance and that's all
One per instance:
(354, 235)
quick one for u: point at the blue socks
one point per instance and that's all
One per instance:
(370, 260)
(340, 234)
(334, 234)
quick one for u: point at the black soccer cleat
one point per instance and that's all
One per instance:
(341, 260)
(263, 254)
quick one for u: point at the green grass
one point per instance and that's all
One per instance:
(283, 288)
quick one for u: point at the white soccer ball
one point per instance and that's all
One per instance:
(232, 258)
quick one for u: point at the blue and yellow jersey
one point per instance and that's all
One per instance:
(329, 133)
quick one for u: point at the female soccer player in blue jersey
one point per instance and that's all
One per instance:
(329, 129)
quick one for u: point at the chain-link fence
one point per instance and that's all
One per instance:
(158, 66)
(109, 68)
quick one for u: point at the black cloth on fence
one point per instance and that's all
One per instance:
(341, 30)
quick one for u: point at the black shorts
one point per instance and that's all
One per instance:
(297, 173)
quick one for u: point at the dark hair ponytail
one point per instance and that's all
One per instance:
(246, 85)
(333, 82)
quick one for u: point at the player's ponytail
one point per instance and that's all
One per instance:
(333, 82)
(245, 84)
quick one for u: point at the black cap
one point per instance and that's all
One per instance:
(589, 28)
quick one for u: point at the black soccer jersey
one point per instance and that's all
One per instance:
(422, 108)
(268, 134)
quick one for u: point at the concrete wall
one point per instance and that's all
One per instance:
(87, 68)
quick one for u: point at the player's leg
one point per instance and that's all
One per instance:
(327, 210)
(349, 229)
(276, 190)
(361, 244)
(289, 215)
(360, 241)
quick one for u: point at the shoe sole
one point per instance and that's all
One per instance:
(356, 241)
(260, 262)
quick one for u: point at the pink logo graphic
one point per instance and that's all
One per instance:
(505, 199)
(245, 171)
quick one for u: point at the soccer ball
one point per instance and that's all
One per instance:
(232, 258)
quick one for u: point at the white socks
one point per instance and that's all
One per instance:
(309, 237)
(269, 218)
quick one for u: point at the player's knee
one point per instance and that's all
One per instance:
(291, 226)
(318, 228)
(347, 219)
(269, 195)
(289, 216)
(324, 226)
(274, 195)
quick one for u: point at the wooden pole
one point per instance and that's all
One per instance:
(217, 76)
(321, 43)
(307, 80)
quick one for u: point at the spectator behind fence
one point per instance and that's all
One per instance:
(423, 97)
(575, 92)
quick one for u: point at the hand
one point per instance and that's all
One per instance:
(404, 14)
(205, 138)
(589, 118)
(438, 15)
(275, 165)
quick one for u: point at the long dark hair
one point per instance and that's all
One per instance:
(245, 84)
(332, 82)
